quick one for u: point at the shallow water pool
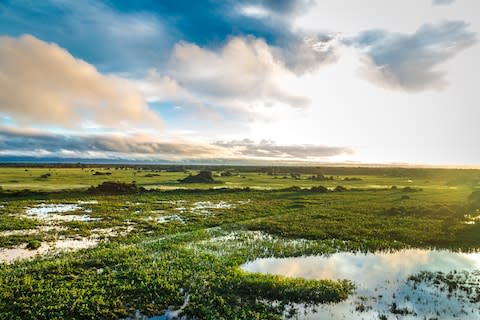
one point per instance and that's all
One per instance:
(383, 288)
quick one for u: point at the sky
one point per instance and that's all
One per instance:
(310, 81)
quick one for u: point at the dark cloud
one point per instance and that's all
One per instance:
(410, 61)
(269, 149)
(120, 36)
(20, 141)
(127, 145)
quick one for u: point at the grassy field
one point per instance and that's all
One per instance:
(176, 245)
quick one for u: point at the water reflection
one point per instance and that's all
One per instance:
(381, 280)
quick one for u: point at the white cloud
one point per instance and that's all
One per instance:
(412, 61)
(245, 70)
(43, 83)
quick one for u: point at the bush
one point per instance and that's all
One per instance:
(98, 173)
(352, 179)
(34, 244)
(151, 175)
(319, 189)
(410, 189)
(321, 177)
(201, 177)
(340, 189)
(112, 187)
(292, 188)
(474, 200)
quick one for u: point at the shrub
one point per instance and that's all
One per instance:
(319, 189)
(339, 189)
(34, 244)
(98, 173)
(202, 177)
(112, 187)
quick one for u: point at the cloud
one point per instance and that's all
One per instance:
(410, 61)
(269, 149)
(281, 6)
(43, 84)
(129, 146)
(142, 146)
(244, 69)
(260, 9)
(442, 2)
(119, 36)
(112, 40)
(307, 54)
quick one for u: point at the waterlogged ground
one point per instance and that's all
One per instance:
(259, 243)
(51, 219)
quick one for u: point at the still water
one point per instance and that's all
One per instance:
(382, 281)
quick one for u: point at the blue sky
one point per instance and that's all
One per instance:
(319, 81)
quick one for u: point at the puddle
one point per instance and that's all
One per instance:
(134, 203)
(87, 202)
(50, 212)
(69, 218)
(382, 283)
(165, 219)
(472, 219)
(378, 186)
(204, 207)
(10, 255)
(170, 314)
(43, 210)
(212, 205)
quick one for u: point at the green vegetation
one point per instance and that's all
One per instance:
(113, 187)
(203, 176)
(161, 242)
(34, 244)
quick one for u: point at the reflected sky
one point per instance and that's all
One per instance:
(382, 278)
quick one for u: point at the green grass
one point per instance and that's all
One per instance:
(156, 264)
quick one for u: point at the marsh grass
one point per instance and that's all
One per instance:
(154, 265)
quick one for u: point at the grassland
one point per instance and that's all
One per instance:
(170, 242)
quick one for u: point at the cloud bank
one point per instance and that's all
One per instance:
(269, 149)
(141, 146)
